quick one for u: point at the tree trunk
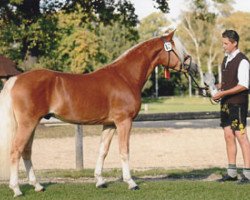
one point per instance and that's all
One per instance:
(29, 61)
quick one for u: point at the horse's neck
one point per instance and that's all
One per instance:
(137, 65)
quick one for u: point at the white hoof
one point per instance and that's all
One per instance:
(131, 184)
(101, 184)
(17, 192)
(39, 188)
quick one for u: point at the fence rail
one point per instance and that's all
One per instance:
(177, 116)
(160, 117)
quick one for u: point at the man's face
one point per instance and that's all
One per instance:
(228, 46)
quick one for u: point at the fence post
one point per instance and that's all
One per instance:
(79, 146)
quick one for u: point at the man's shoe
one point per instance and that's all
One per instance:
(243, 180)
(226, 178)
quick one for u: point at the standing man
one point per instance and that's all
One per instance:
(234, 105)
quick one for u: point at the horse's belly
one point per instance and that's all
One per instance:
(90, 114)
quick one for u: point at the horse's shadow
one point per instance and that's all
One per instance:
(26, 188)
(209, 174)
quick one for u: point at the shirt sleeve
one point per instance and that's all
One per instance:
(243, 73)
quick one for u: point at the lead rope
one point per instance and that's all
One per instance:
(201, 89)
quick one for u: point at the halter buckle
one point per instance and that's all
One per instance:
(168, 46)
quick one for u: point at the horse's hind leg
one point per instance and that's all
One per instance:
(123, 129)
(29, 167)
(107, 135)
(21, 139)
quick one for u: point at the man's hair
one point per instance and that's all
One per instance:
(232, 35)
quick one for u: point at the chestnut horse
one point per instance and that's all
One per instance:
(110, 96)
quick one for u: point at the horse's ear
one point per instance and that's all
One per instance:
(171, 34)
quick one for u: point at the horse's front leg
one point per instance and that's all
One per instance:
(107, 135)
(124, 129)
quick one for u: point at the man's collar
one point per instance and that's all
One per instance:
(233, 54)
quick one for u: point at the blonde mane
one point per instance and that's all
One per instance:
(181, 51)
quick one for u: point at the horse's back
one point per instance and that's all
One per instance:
(91, 98)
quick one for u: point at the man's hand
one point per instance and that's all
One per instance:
(218, 95)
(234, 90)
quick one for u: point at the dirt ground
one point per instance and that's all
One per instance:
(171, 149)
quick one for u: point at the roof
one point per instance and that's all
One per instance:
(7, 67)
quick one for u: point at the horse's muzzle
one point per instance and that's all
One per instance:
(194, 69)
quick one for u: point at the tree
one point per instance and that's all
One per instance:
(153, 25)
(77, 46)
(29, 28)
(25, 32)
(239, 21)
(114, 40)
(83, 50)
(201, 30)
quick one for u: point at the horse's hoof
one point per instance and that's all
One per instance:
(18, 194)
(102, 186)
(16, 190)
(135, 188)
(39, 188)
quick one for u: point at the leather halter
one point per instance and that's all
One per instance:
(169, 48)
(185, 68)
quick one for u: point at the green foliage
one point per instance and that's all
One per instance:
(222, 1)
(19, 38)
(77, 50)
(114, 40)
(162, 5)
(83, 47)
(201, 11)
(30, 29)
(151, 26)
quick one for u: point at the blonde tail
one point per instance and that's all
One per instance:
(7, 128)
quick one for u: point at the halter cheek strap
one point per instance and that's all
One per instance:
(168, 48)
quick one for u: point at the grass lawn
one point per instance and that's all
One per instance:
(160, 190)
(178, 104)
(174, 185)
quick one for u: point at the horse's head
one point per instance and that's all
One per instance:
(173, 55)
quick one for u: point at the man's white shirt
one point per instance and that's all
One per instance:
(243, 70)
